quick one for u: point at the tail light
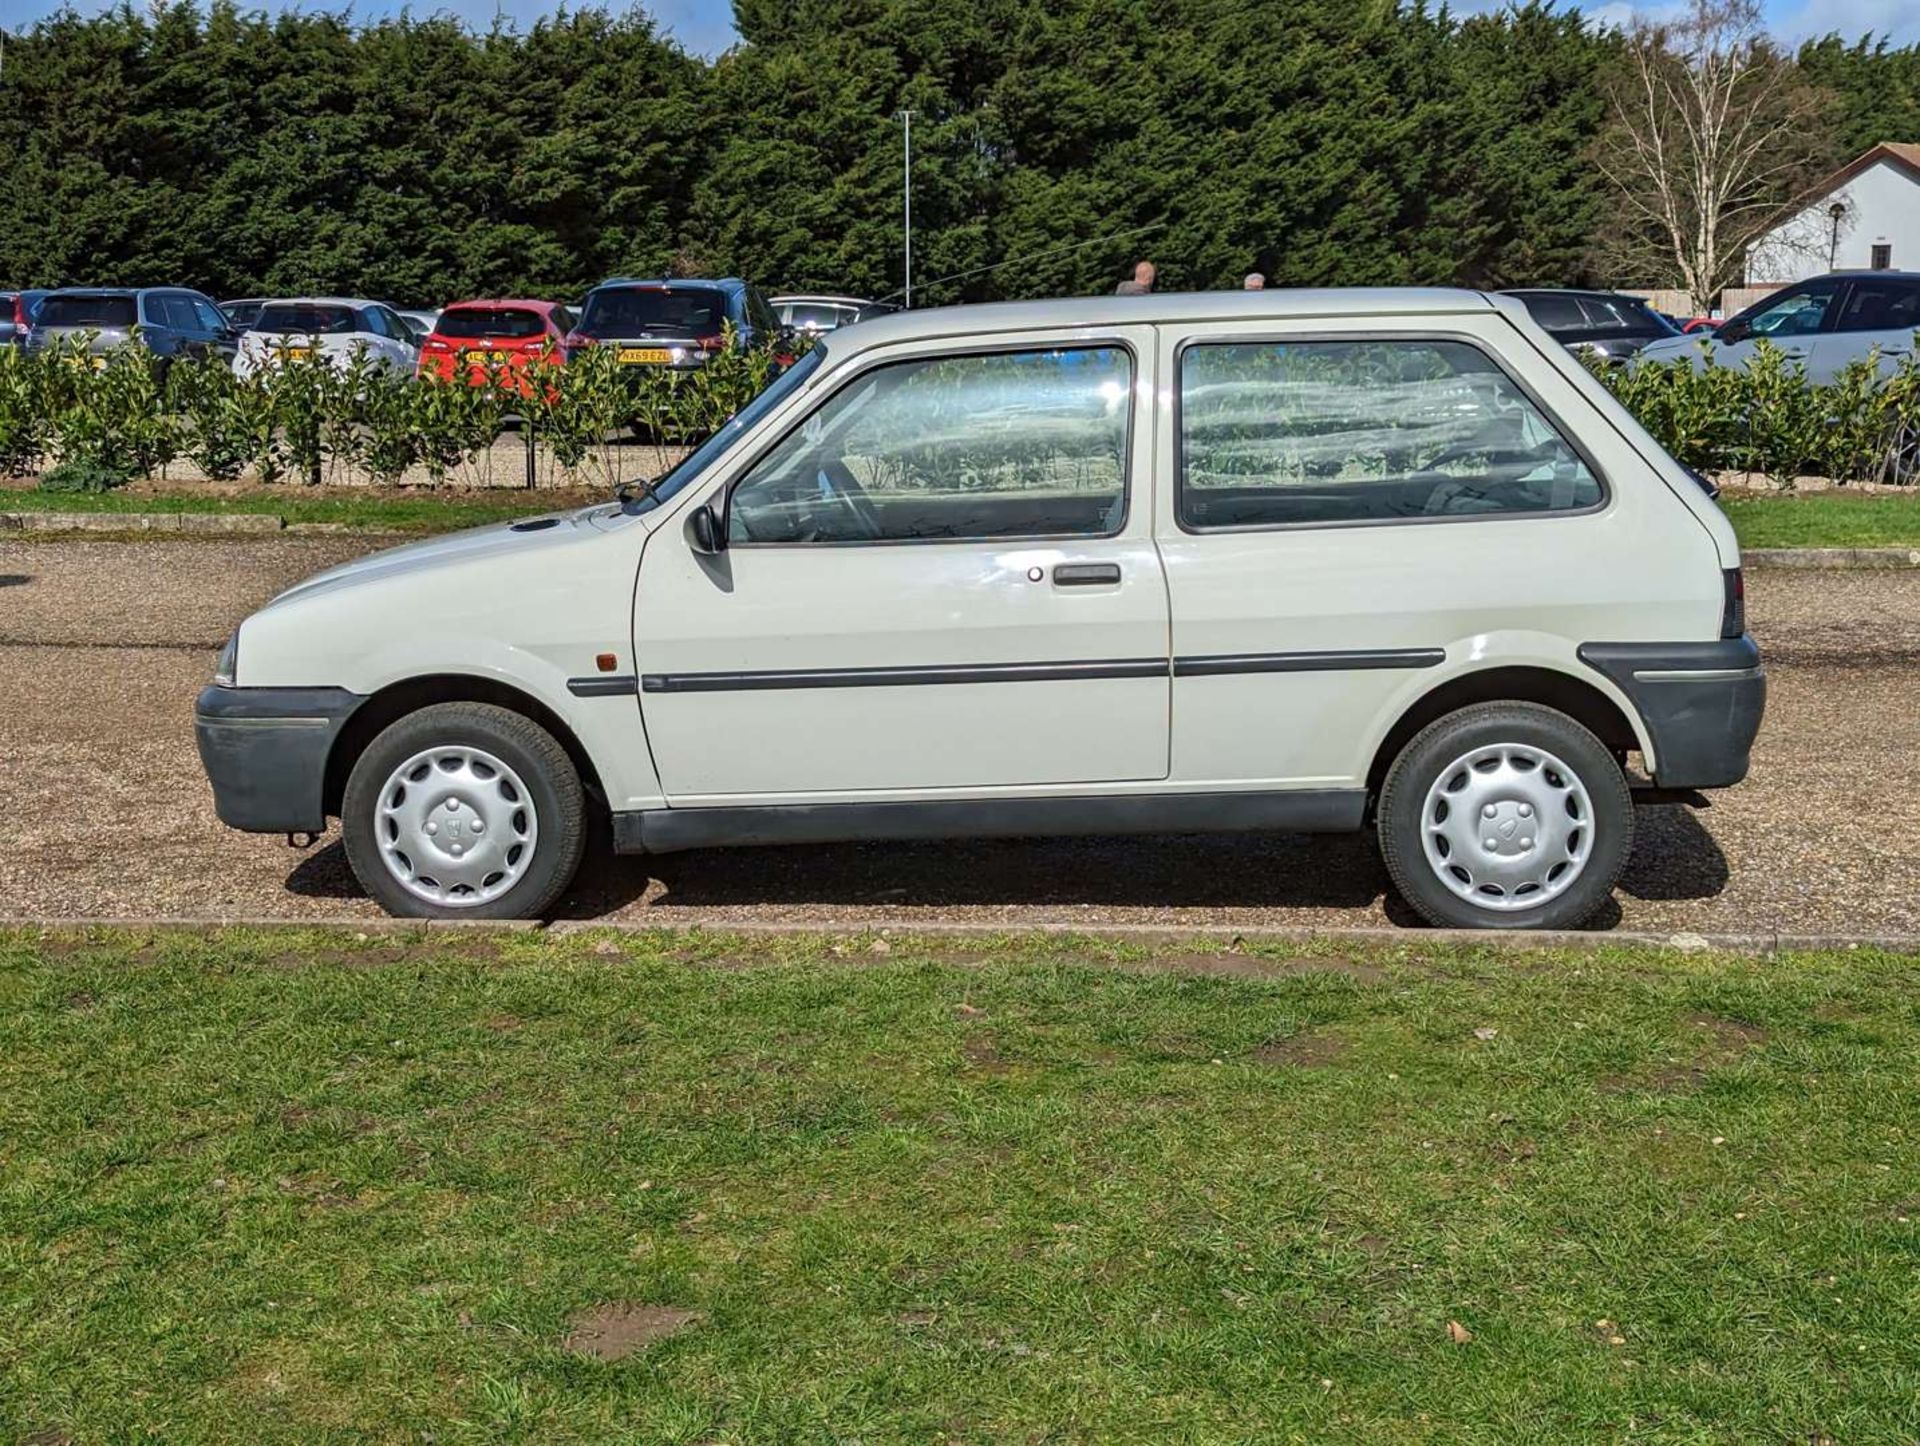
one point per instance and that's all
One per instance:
(1733, 616)
(434, 343)
(22, 323)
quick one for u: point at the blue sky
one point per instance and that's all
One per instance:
(706, 26)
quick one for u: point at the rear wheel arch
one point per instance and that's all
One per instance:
(395, 701)
(1584, 702)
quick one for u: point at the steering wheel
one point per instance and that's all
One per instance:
(844, 490)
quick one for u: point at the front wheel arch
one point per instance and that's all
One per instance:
(392, 703)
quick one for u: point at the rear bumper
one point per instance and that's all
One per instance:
(265, 751)
(1701, 703)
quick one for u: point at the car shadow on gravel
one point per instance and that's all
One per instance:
(1172, 871)
(1674, 857)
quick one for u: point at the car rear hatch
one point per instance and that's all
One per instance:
(87, 322)
(657, 325)
(303, 331)
(487, 335)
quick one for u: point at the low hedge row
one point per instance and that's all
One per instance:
(105, 421)
(1766, 417)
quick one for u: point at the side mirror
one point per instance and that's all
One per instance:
(706, 533)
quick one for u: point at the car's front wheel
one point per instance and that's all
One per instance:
(1505, 816)
(464, 810)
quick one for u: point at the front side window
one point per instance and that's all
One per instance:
(1278, 434)
(1000, 445)
(1798, 313)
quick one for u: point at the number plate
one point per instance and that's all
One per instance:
(485, 358)
(296, 353)
(657, 356)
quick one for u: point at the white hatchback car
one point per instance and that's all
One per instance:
(1301, 561)
(330, 329)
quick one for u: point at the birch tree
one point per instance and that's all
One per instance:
(1713, 138)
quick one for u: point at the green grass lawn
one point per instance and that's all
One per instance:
(414, 512)
(1877, 519)
(273, 1187)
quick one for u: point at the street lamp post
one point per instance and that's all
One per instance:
(1834, 214)
(906, 203)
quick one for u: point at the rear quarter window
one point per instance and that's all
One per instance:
(1285, 434)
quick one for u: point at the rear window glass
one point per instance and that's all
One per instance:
(86, 311)
(476, 321)
(1557, 313)
(655, 311)
(303, 320)
(819, 315)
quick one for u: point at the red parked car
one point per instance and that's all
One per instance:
(473, 340)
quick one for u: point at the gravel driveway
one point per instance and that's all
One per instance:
(104, 811)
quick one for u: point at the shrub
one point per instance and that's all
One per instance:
(83, 474)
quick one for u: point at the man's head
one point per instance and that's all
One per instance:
(1254, 281)
(1144, 272)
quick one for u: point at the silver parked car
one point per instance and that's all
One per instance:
(168, 321)
(824, 313)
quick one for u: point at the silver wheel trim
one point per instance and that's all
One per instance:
(1507, 826)
(455, 826)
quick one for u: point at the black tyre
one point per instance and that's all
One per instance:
(464, 811)
(1505, 816)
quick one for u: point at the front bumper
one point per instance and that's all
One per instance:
(1701, 702)
(265, 751)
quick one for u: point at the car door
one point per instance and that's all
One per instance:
(1791, 321)
(942, 578)
(215, 337)
(1878, 315)
(1356, 514)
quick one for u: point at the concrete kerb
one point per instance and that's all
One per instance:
(1518, 940)
(212, 524)
(1832, 558)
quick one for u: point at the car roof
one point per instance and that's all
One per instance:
(1275, 303)
(1875, 271)
(109, 290)
(820, 296)
(321, 301)
(721, 283)
(1525, 291)
(499, 301)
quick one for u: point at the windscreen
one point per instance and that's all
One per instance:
(490, 321)
(655, 311)
(305, 319)
(100, 311)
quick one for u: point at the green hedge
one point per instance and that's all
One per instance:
(310, 421)
(1766, 417)
(123, 417)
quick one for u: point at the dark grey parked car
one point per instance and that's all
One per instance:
(1607, 322)
(168, 321)
(673, 323)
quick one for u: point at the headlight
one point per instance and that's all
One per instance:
(228, 661)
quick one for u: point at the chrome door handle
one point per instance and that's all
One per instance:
(1085, 574)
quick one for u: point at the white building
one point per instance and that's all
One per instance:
(1867, 216)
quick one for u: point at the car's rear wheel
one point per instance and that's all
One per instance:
(1505, 816)
(464, 810)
